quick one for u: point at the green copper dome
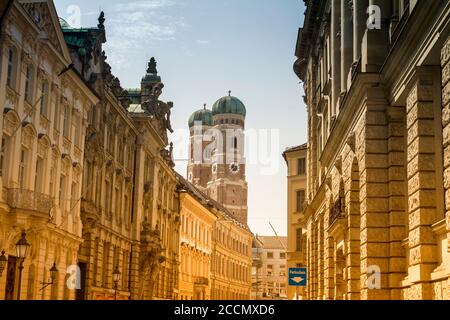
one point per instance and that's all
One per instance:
(228, 105)
(204, 116)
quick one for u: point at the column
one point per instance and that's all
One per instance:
(359, 26)
(353, 236)
(346, 44)
(371, 149)
(397, 198)
(335, 55)
(424, 167)
(445, 63)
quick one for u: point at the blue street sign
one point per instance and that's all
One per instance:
(297, 277)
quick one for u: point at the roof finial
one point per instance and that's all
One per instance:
(204, 106)
(101, 20)
(152, 66)
(229, 93)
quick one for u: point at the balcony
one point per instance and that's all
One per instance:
(20, 199)
(201, 281)
(337, 211)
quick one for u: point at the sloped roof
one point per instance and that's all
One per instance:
(207, 201)
(293, 149)
(272, 242)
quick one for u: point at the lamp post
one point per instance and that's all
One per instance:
(53, 275)
(22, 247)
(116, 279)
(2, 262)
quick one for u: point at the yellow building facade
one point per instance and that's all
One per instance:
(214, 252)
(43, 118)
(296, 196)
(377, 208)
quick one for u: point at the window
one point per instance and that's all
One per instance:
(269, 269)
(38, 176)
(301, 166)
(300, 200)
(22, 164)
(269, 255)
(74, 196)
(44, 98)
(56, 116)
(62, 192)
(107, 199)
(52, 181)
(282, 255)
(10, 79)
(3, 153)
(298, 240)
(76, 130)
(29, 84)
(66, 124)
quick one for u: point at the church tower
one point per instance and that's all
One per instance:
(222, 175)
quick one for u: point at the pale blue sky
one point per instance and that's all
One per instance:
(205, 48)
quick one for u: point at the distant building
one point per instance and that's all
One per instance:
(296, 160)
(214, 249)
(269, 268)
(216, 163)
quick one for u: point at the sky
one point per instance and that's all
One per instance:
(203, 49)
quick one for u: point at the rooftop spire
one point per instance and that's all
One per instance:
(229, 93)
(152, 66)
(204, 106)
(101, 20)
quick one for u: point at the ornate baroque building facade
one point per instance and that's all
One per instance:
(296, 196)
(377, 91)
(43, 118)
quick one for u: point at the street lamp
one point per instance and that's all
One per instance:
(116, 279)
(53, 275)
(2, 262)
(22, 247)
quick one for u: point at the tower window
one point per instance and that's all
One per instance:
(301, 166)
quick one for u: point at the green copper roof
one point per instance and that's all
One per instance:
(229, 104)
(203, 115)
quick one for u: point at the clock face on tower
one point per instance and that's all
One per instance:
(190, 177)
(214, 168)
(234, 168)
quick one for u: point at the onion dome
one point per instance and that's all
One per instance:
(203, 115)
(229, 105)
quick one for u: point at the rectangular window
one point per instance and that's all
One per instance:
(66, 124)
(38, 176)
(282, 255)
(52, 181)
(298, 240)
(62, 192)
(76, 131)
(29, 85)
(301, 166)
(300, 200)
(74, 195)
(11, 68)
(107, 199)
(269, 255)
(3, 153)
(117, 206)
(22, 168)
(56, 115)
(44, 98)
